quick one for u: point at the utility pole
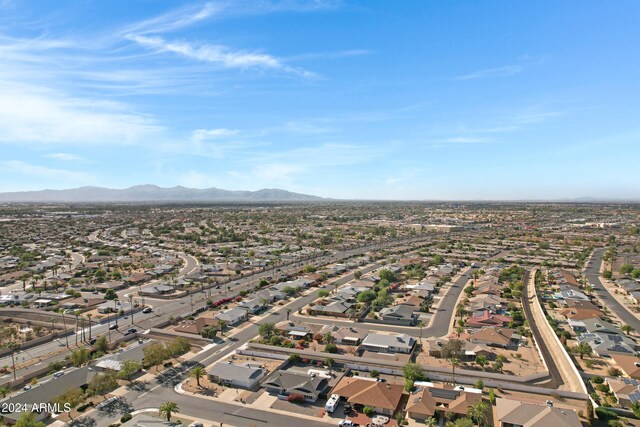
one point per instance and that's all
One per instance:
(115, 310)
(191, 298)
(131, 307)
(64, 322)
(13, 346)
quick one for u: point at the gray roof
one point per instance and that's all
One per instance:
(398, 311)
(292, 382)
(386, 341)
(229, 372)
(47, 391)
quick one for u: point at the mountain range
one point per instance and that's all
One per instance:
(153, 193)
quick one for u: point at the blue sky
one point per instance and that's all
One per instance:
(371, 99)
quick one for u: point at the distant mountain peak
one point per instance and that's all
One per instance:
(152, 193)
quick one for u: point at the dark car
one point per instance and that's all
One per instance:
(113, 327)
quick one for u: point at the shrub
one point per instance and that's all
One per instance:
(602, 387)
(125, 418)
(331, 348)
(294, 358)
(597, 380)
(295, 398)
(368, 411)
(605, 414)
(374, 373)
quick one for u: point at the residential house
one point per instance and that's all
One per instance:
(495, 337)
(198, 325)
(233, 316)
(514, 413)
(388, 343)
(245, 375)
(348, 335)
(485, 302)
(286, 383)
(383, 397)
(253, 305)
(431, 398)
(399, 315)
(487, 318)
(626, 390)
(630, 364)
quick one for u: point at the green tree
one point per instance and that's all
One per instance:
(626, 268)
(413, 371)
(328, 338)
(627, 329)
(101, 345)
(209, 332)
(331, 348)
(460, 422)
(266, 329)
(479, 412)
(583, 349)
(589, 412)
(154, 354)
(607, 274)
(329, 362)
(4, 391)
(129, 367)
(110, 295)
(102, 384)
(79, 357)
(73, 396)
(368, 411)
(197, 372)
(167, 409)
(322, 293)
(28, 419)
(431, 422)
(386, 274)
(367, 296)
(481, 360)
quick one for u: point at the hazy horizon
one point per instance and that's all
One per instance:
(451, 101)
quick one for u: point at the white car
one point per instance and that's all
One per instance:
(347, 423)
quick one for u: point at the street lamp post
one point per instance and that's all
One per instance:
(115, 310)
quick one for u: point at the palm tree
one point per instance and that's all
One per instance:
(583, 349)
(459, 330)
(4, 391)
(454, 362)
(167, 409)
(627, 329)
(197, 373)
(431, 422)
(479, 412)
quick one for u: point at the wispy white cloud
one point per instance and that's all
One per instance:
(68, 157)
(36, 171)
(464, 140)
(204, 134)
(174, 20)
(39, 115)
(218, 55)
(507, 70)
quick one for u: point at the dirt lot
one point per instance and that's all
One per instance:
(524, 361)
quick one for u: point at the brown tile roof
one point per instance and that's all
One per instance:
(628, 363)
(427, 401)
(370, 393)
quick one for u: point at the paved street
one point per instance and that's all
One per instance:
(592, 271)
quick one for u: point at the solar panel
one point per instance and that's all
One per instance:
(442, 393)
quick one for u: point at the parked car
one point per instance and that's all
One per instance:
(113, 327)
(147, 310)
(347, 423)
(58, 374)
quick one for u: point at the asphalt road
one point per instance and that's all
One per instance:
(592, 271)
